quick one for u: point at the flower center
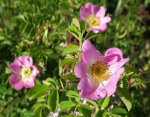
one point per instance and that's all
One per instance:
(92, 20)
(100, 71)
(26, 72)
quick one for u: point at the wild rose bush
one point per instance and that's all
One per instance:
(74, 59)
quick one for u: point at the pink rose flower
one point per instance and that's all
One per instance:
(94, 17)
(24, 72)
(99, 74)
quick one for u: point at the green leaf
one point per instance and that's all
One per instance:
(74, 34)
(92, 102)
(37, 90)
(118, 111)
(70, 77)
(63, 83)
(104, 102)
(47, 51)
(45, 34)
(72, 94)
(76, 23)
(36, 106)
(66, 105)
(50, 82)
(82, 27)
(53, 100)
(73, 31)
(38, 112)
(125, 97)
(85, 110)
(70, 49)
(67, 61)
(118, 7)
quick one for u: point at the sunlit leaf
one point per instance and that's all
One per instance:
(70, 49)
(125, 97)
(37, 90)
(53, 100)
(66, 105)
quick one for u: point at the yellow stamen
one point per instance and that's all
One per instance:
(100, 71)
(26, 72)
(92, 20)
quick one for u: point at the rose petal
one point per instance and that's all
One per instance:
(14, 78)
(35, 71)
(113, 68)
(105, 20)
(101, 12)
(29, 83)
(114, 51)
(112, 84)
(15, 66)
(111, 59)
(26, 60)
(90, 54)
(18, 85)
(80, 70)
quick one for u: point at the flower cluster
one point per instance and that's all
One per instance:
(99, 73)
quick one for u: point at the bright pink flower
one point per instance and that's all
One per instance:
(24, 72)
(99, 74)
(94, 17)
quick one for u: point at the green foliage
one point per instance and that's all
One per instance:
(37, 29)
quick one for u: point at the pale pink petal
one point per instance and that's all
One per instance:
(87, 45)
(85, 11)
(26, 60)
(112, 84)
(105, 20)
(89, 91)
(95, 30)
(90, 54)
(14, 78)
(113, 68)
(15, 66)
(18, 85)
(111, 59)
(29, 83)
(101, 12)
(35, 71)
(80, 69)
(102, 27)
(114, 51)
(99, 93)
(95, 9)
(89, 6)
(86, 87)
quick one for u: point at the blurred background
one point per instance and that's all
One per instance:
(37, 27)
